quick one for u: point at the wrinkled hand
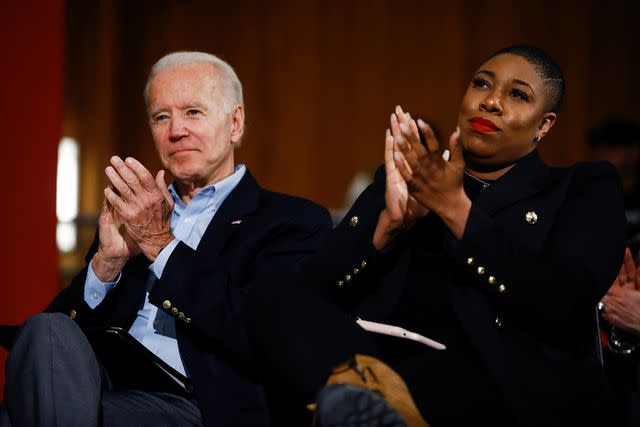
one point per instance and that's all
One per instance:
(401, 208)
(115, 246)
(433, 181)
(622, 301)
(143, 204)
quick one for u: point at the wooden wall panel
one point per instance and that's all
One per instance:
(321, 77)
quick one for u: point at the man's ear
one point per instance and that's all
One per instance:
(547, 123)
(237, 124)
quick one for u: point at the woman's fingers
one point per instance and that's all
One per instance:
(402, 165)
(410, 131)
(429, 136)
(402, 143)
(416, 208)
(455, 148)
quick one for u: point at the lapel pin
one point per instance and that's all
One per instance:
(236, 222)
(531, 217)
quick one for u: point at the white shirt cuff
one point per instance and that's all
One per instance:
(96, 290)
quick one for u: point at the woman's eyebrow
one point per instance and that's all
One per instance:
(522, 82)
(487, 72)
(516, 81)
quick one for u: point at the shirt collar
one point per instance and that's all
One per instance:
(221, 188)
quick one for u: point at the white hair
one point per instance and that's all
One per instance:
(231, 88)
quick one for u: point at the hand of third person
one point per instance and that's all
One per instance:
(622, 301)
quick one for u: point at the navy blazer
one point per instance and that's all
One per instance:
(540, 248)
(256, 236)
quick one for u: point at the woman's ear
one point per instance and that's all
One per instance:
(547, 123)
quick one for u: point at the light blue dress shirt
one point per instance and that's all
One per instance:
(154, 328)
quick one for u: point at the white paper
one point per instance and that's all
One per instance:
(396, 331)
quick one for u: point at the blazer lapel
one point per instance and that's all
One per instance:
(525, 178)
(242, 201)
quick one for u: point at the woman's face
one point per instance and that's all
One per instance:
(502, 112)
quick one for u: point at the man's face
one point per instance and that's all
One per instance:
(193, 134)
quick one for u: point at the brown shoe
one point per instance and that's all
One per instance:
(359, 404)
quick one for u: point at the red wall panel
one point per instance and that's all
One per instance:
(32, 52)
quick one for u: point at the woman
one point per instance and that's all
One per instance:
(490, 252)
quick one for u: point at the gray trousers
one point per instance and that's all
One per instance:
(53, 378)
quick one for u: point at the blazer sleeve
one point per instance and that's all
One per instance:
(347, 264)
(210, 298)
(556, 288)
(111, 310)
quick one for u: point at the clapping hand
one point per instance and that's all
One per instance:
(401, 208)
(115, 246)
(143, 204)
(135, 217)
(433, 180)
(622, 301)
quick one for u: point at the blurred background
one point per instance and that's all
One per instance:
(320, 80)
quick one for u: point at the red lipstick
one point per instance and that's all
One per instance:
(483, 125)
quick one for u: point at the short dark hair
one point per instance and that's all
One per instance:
(615, 132)
(545, 66)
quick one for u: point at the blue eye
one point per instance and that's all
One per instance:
(193, 112)
(160, 117)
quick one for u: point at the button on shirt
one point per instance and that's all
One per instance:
(154, 328)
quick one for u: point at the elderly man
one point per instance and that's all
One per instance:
(173, 267)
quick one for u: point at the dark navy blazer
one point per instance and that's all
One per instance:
(540, 248)
(256, 236)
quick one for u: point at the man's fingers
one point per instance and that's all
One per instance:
(127, 174)
(116, 202)
(163, 187)
(142, 174)
(119, 184)
(429, 136)
(105, 215)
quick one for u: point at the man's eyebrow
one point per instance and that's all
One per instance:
(155, 111)
(193, 105)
